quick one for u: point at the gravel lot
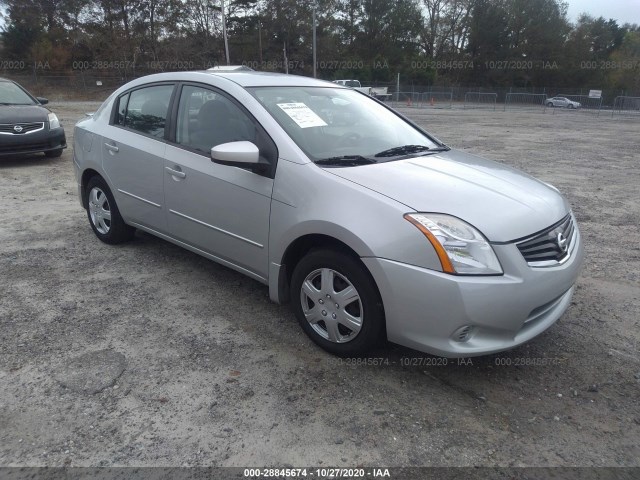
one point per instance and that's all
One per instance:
(204, 370)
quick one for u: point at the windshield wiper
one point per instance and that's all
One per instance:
(406, 150)
(345, 161)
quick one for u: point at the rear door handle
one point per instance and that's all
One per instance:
(175, 173)
(113, 148)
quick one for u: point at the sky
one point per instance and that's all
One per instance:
(624, 11)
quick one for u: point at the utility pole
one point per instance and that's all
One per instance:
(224, 32)
(286, 62)
(260, 41)
(314, 39)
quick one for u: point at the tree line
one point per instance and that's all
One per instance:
(428, 42)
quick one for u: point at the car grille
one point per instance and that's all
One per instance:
(22, 128)
(550, 247)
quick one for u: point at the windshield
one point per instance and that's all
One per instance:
(12, 94)
(340, 124)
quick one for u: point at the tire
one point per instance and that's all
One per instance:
(550, 104)
(570, 106)
(103, 213)
(350, 329)
(53, 153)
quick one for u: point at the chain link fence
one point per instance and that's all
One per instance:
(79, 86)
(480, 100)
(530, 101)
(534, 100)
(624, 105)
(430, 98)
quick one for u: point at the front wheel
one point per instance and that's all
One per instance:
(571, 106)
(337, 303)
(104, 215)
(549, 104)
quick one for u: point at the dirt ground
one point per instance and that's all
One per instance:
(204, 370)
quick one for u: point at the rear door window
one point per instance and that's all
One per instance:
(146, 109)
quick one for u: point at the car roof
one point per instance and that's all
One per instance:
(269, 79)
(243, 79)
(230, 68)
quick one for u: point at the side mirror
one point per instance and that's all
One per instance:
(236, 154)
(42, 100)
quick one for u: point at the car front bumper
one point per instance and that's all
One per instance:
(42, 141)
(428, 310)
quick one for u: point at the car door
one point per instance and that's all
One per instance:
(133, 147)
(221, 210)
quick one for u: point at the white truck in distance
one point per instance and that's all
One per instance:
(377, 92)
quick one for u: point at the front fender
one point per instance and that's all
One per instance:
(307, 200)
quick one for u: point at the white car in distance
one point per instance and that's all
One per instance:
(562, 102)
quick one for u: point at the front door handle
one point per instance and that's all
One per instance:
(112, 148)
(175, 173)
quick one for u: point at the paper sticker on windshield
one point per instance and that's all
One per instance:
(302, 115)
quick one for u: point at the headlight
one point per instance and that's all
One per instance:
(461, 248)
(53, 121)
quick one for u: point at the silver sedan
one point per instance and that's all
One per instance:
(562, 102)
(366, 224)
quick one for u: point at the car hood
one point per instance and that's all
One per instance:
(22, 113)
(503, 203)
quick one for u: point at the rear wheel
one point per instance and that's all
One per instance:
(570, 106)
(549, 104)
(103, 213)
(337, 303)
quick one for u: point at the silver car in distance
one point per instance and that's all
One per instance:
(369, 226)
